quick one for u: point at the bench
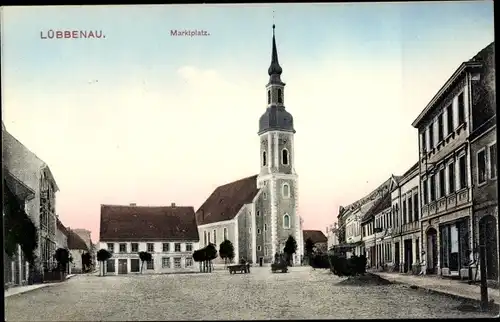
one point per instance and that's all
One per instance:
(239, 268)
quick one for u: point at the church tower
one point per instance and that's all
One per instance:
(277, 176)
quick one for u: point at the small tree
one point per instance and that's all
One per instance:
(62, 257)
(86, 261)
(210, 254)
(290, 248)
(226, 251)
(145, 257)
(102, 256)
(309, 248)
(198, 257)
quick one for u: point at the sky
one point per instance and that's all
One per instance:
(140, 116)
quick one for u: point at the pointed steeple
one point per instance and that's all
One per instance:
(275, 68)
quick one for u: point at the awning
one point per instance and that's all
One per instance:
(18, 188)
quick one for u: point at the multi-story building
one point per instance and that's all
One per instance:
(77, 247)
(259, 213)
(61, 235)
(445, 161)
(35, 174)
(169, 234)
(332, 234)
(484, 161)
(405, 212)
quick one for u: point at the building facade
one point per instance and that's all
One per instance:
(318, 238)
(332, 235)
(260, 212)
(169, 234)
(445, 161)
(61, 235)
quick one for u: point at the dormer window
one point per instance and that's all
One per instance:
(280, 96)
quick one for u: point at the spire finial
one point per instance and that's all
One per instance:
(275, 67)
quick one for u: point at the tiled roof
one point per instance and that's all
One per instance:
(381, 204)
(126, 223)
(316, 236)
(61, 228)
(76, 242)
(226, 201)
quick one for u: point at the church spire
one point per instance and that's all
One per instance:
(275, 68)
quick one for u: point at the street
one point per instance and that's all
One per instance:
(300, 294)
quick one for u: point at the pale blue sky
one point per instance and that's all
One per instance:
(179, 111)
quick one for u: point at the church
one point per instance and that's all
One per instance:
(258, 213)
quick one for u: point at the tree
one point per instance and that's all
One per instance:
(86, 261)
(102, 256)
(210, 254)
(309, 248)
(226, 251)
(198, 257)
(145, 257)
(62, 257)
(290, 248)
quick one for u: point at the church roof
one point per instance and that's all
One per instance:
(226, 201)
(138, 223)
(316, 236)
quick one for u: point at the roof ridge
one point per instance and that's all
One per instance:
(25, 147)
(242, 179)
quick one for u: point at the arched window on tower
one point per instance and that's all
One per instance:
(264, 158)
(269, 97)
(280, 96)
(286, 191)
(285, 157)
(286, 221)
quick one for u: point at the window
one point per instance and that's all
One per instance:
(286, 221)
(258, 213)
(264, 196)
(441, 183)
(205, 237)
(258, 231)
(166, 247)
(286, 190)
(284, 156)
(410, 209)
(404, 212)
(415, 206)
(265, 227)
(280, 95)
(481, 166)
(440, 126)
(177, 262)
(209, 240)
(215, 237)
(433, 187)
(431, 136)
(269, 97)
(111, 247)
(135, 247)
(265, 251)
(189, 247)
(189, 262)
(150, 247)
(122, 247)
(150, 264)
(461, 109)
(165, 262)
(225, 233)
(449, 114)
(423, 141)
(259, 248)
(177, 247)
(462, 172)
(493, 160)
(264, 158)
(451, 177)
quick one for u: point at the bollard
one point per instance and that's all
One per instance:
(484, 283)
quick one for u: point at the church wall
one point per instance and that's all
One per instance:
(203, 231)
(244, 234)
(287, 206)
(284, 141)
(263, 223)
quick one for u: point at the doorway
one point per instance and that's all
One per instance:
(488, 237)
(110, 266)
(408, 255)
(134, 265)
(261, 261)
(432, 251)
(396, 256)
(122, 266)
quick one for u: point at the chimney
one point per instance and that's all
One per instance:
(172, 204)
(133, 204)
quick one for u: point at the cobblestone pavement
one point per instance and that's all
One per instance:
(302, 293)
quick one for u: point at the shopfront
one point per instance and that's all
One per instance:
(454, 246)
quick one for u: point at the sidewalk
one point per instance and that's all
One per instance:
(27, 288)
(436, 284)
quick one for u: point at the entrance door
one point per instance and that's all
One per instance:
(261, 261)
(122, 266)
(408, 255)
(110, 266)
(135, 265)
(488, 237)
(432, 251)
(396, 256)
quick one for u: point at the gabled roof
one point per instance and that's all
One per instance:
(137, 223)
(316, 236)
(381, 204)
(62, 228)
(226, 201)
(76, 242)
